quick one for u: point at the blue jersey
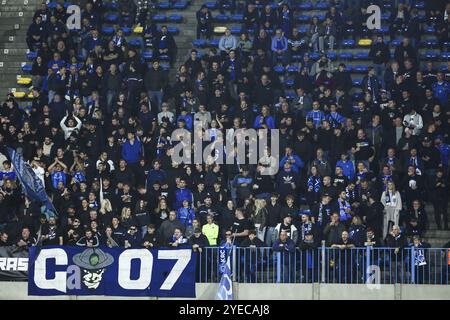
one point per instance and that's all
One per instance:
(58, 176)
(7, 175)
(444, 149)
(316, 116)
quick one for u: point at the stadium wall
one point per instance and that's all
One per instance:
(242, 291)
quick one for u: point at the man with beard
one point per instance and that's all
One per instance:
(51, 234)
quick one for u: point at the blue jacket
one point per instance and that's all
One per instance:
(444, 149)
(441, 91)
(348, 169)
(268, 121)
(180, 195)
(299, 164)
(284, 43)
(156, 175)
(188, 119)
(316, 117)
(131, 152)
(186, 215)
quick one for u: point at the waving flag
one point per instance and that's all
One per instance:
(225, 291)
(31, 184)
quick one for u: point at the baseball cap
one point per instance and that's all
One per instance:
(197, 230)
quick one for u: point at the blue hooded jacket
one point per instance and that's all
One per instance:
(186, 215)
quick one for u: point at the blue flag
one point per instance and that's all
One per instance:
(225, 291)
(30, 182)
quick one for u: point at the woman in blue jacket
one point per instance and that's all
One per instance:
(264, 120)
(186, 215)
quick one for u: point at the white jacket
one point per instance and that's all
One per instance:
(416, 120)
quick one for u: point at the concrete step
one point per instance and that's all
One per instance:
(11, 20)
(23, 8)
(18, 14)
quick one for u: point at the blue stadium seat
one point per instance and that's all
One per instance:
(431, 55)
(235, 29)
(173, 30)
(107, 30)
(396, 42)
(159, 18)
(111, 5)
(361, 69)
(199, 43)
(221, 18)
(112, 17)
(237, 17)
(348, 43)
(32, 55)
(135, 42)
(278, 69)
(345, 55)
(384, 29)
(163, 5)
(332, 55)
(176, 18)
(349, 68)
(289, 83)
(443, 68)
(214, 43)
(305, 6)
(292, 69)
(303, 18)
(430, 43)
(445, 55)
(165, 66)
(27, 68)
(420, 5)
(296, 57)
(356, 82)
(385, 16)
(357, 96)
(387, 6)
(364, 55)
(321, 17)
(290, 95)
(147, 55)
(211, 5)
(430, 29)
(322, 5)
(126, 30)
(67, 4)
(350, 30)
(180, 5)
(164, 57)
(302, 29)
(314, 55)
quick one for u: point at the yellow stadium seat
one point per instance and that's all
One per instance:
(364, 42)
(220, 29)
(30, 95)
(24, 80)
(19, 94)
(138, 29)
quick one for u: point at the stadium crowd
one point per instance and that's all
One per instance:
(353, 169)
